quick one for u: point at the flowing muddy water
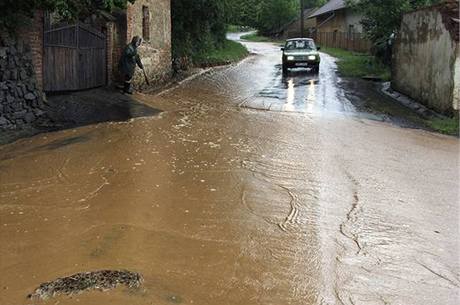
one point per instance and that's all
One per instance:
(248, 189)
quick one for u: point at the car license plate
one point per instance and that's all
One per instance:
(301, 64)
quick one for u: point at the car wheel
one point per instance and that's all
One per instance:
(316, 69)
(285, 69)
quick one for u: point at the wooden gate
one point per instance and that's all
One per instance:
(74, 58)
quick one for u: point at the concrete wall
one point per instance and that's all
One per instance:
(456, 102)
(155, 52)
(425, 61)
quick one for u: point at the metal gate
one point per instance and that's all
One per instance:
(74, 58)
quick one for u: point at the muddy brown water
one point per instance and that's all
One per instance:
(247, 189)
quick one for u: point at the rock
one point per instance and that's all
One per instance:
(14, 74)
(3, 121)
(19, 114)
(30, 86)
(38, 113)
(9, 99)
(11, 63)
(29, 117)
(23, 75)
(6, 76)
(12, 50)
(2, 53)
(19, 91)
(29, 96)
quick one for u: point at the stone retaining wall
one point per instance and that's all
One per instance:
(21, 100)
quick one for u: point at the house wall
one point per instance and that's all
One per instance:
(340, 22)
(425, 61)
(353, 18)
(336, 23)
(156, 52)
(293, 30)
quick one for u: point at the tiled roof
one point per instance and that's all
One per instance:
(331, 6)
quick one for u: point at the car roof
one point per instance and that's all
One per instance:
(292, 39)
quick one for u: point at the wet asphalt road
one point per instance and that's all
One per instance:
(250, 188)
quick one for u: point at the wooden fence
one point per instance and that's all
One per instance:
(348, 41)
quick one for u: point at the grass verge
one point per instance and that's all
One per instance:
(231, 52)
(353, 64)
(449, 126)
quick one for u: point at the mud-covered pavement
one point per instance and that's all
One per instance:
(249, 188)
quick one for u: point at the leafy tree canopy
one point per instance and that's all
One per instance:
(383, 17)
(16, 12)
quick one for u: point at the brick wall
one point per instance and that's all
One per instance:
(33, 37)
(110, 47)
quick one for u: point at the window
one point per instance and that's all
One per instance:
(351, 30)
(146, 23)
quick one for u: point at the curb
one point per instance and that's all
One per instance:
(409, 102)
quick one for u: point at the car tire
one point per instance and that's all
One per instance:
(285, 69)
(316, 69)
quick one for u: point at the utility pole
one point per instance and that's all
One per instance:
(302, 21)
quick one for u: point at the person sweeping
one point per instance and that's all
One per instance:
(127, 65)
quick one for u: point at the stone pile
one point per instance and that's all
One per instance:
(21, 101)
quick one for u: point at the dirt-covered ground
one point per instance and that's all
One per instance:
(248, 188)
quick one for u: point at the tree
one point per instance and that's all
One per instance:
(198, 26)
(17, 12)
(382, 18)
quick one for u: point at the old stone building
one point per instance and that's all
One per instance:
(426, 57)
(151, 20)
(55, 56)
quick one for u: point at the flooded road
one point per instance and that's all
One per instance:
(249, 188)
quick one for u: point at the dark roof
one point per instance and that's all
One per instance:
(331, 6)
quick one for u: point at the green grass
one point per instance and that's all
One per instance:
(231, 52)
(353, 64)
(448, 126)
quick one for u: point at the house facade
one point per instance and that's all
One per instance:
(337, 25)
(335, 16)
(426, 57)
(292, 29)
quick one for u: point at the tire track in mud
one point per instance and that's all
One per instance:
(270, 174)
(352, 215)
